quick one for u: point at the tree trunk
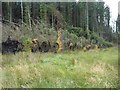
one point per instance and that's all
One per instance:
(22, 11)
(87, 20)
(27, 16)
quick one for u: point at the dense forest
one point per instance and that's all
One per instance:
(76, 21)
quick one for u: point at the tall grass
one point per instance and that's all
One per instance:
(69, 69)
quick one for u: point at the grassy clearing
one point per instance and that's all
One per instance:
(95, 68)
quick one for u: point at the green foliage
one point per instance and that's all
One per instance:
(78, 35)
(107, 44)
(70, 36)
(42, 12)
(100, 41)
(27, 42)
(78, 31)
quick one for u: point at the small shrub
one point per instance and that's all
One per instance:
(27, 42)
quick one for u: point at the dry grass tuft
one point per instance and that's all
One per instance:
(98, 68)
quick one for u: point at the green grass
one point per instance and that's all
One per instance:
(95, 68)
